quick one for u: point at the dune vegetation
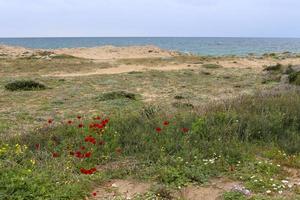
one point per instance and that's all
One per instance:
(172, 133)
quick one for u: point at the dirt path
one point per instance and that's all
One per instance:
(128, 189)
(122, 69)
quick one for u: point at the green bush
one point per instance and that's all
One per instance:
(212, 66)
(117, 95)
(294, 78)
(25, 85)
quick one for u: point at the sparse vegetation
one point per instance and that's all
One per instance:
(61, 143)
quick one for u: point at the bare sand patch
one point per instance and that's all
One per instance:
(112, 52)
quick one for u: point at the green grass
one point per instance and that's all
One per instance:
(229, 135)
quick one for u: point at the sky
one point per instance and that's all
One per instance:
(178, 18)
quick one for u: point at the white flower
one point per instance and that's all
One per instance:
(268, 191)
(285, 181)
(280, 191)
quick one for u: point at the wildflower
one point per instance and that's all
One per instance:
(94, 194)
(82, 148)
(158, 129)
(101, 142)
(280, 191)
(78, 117)
(268, 191)
(37, 146)
(88, 171)
(78, 154)
(166, 123)
(70, 122)
(80, 125)
(32, 161)
(88, 154)
(50, 121)
(185, 130)
(90, 139)
(55, 155)
(118, 150)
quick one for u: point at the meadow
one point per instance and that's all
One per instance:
(202, 131)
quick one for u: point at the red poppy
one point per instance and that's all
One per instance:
(50, 121)
(94, 194)
(185, 130)
(88, 154)
(78, 154)
(88, 171)
(37, 146)
(69, 122)
(158, 129)
(102, 142)
(80, 126)
(118, 150)
(55, 155)
(166, 123)
(90, 139)
(78, 117)
(82, 148)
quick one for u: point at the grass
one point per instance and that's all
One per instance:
(190, 148)
(177, 133)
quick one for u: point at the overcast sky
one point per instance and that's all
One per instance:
(229, 18)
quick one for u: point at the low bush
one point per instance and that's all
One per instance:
(212, 66)
(294, 78)
(25, 85)
(117, 95)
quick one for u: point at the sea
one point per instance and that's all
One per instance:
(215, 46)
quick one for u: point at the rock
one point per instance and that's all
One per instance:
(241, 189)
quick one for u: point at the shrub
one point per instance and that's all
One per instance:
(277, 67)
(212, 66)
(294, 78)
(117, 95)
(25, 85)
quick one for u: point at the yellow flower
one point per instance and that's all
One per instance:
(32, 161)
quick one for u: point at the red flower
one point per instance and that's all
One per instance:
(185, 130)
(55, 155)
(50, 121)
(90, 139)
(78, 117)
(102, 142)
(69, 122)
(88, 171)
(88, 154)
(82, 148)
(94, 194)
(78, 154)
(37, 146)
(166, 123)
(158, 129)
(118, 150)
(80, 126)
